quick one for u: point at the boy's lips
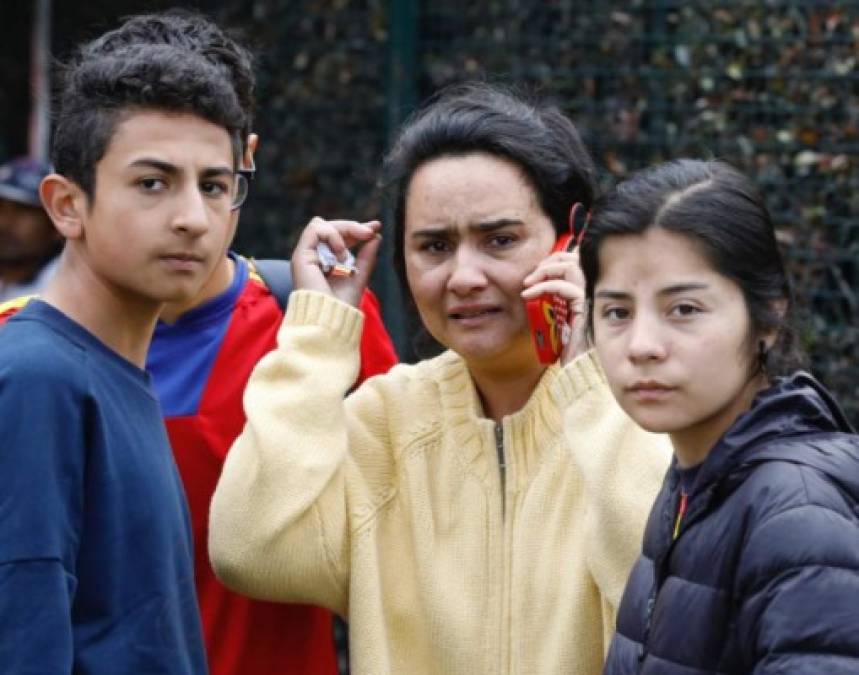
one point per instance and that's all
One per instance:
(182, 260)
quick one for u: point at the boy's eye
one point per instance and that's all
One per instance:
(214, 188)
(150, 184)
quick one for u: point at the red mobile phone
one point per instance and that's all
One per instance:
(549, 314)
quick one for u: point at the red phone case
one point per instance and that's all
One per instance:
(550, 318)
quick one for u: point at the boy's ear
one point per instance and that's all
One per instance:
(65, 203)
(250, 150)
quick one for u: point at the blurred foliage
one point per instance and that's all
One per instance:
(770, 85)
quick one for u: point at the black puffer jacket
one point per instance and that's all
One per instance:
(764, 575)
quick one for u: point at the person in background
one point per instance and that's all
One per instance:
(96, 554)
(448, 507)
(203, 350)
(29, 242)
(751, 552)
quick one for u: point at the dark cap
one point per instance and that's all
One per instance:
(20, 178)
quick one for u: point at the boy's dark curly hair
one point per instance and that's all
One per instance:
(175, 62)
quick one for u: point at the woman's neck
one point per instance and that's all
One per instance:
(505, 392)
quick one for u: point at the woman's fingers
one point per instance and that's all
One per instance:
(309, 272)
(558, 265)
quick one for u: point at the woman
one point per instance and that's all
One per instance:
(751, 553)
(447, 508)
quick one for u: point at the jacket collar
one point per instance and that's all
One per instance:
(794, 406)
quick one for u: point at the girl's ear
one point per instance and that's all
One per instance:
(780, 308)
(65, 203)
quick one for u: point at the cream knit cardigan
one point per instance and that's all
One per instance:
(390, 509)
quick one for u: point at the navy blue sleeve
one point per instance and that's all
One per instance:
(799, 588)
(42, 461)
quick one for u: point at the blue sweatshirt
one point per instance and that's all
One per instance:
(96, 572)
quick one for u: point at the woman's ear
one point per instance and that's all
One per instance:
(65, 203)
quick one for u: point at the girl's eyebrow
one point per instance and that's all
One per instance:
(673, 289)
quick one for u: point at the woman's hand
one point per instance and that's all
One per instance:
(339, 235)
(561, 274)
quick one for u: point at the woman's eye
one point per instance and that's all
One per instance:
(435, 246)
(501, 240)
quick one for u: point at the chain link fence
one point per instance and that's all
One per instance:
(771, 85)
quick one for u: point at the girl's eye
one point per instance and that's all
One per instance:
(685, 309)
(152, 184)
(615, 314)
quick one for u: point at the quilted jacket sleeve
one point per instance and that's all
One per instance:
(798, 582)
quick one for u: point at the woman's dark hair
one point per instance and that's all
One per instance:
(722, 211)
(482, 117)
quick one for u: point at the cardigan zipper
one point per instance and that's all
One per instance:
(502, 462)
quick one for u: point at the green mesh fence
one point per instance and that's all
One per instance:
(770, 85)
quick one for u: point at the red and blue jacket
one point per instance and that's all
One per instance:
(200, 365)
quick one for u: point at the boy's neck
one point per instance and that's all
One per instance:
(219, 282)
(123, 322)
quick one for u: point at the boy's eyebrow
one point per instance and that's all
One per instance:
(673, 289)
(172, 169)
(486, 226)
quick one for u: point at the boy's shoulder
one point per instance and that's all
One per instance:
(33, 350)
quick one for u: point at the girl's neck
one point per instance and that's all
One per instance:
(692, 444)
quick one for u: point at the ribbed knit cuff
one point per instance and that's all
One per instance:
(320, 309)
(581, 374)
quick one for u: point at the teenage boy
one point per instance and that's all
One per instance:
(96, 570)
(201, 356)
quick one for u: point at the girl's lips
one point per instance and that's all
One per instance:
(650, 391)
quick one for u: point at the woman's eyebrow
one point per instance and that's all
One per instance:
(497, 224)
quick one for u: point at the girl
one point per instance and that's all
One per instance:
(751, 552)
(447, 508)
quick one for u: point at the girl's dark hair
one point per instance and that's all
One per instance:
(481, 117)
(722, 211)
